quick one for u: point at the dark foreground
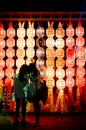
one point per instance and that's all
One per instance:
(48, 121)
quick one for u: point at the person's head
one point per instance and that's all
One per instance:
(32, 69)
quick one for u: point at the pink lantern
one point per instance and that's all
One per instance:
(60, 83)
(10, 31)
(80, 61)
(2, 63)
(80, 82)
(40, 32)
(2, 31)
(2, 53)
(10, 42)
(80, 41)
(60, 31)
(1, 73)
(60, 73)
(79, 30)
(60, 63)
(80, 51)
(9, 72)
(80, 72)
(59, 43)
(2, 43)
(70, 42)
(10, 62)
(70, 72)
(69, 52)
(70, 30)
(70, 62)
(70, 82)
(10, 52)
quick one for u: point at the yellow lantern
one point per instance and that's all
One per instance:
(60, 53)
(70, 30)
(50, 42)
(60, 73)
(80, 72)
(60, 63)
(60, 84)
(50, 83)
(20, 43)
(80, 41)
(70, 72)
(20, 52)
(19, 62)
(10, 42)
(21, 30)
(31, 30)
(50, 53)
(2, 43)
(50, 30)
(50, 72)
(79, 30)
(70, 82)
(70, 42)
(60, 31)
(59, 43)
(30, 53)
(30, 42)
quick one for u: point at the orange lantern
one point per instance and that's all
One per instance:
(50, 42)
(80, 61)
(80, 51)
(50, 30)
(60, 53)
(2, 53)
(10, 31)
(10, 52)
(9, 72)
(59, 43)
(2, 31)
(40, 32)
(80, 41)
(10, 62)
(60, 31)
(70, 42)
(50, 83)
(50, 62)
(60, 84)
(2, 43)
(70, 72)
(80, 72)
(50, 53)
(70, 62)
(80, 82)
(79, 30)
(60, 63)
(9, 83)
(70, 82)
(60, 73)
(70, 30)
(10, 42)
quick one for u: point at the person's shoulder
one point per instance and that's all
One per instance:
(16, 75)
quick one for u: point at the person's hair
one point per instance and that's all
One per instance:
(23, 70)
(32, 69)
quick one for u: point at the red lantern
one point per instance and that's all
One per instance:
(80, 82)
(70, 72)
(80, 72)
(2, 31)
(1, 73)
(69, 52)
(70, 82)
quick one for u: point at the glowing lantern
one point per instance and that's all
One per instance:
(30, 53)
(31, 30)
(60, 53)
(60, 84)
(40, 52)
(40, 63)
(80, 72)
(10, 42)
(19, 62)
(70, 30)
(9, 83)
(10, 52)
(70, 42)
(80, 51)
(79, 29)
(69, 52)
(41, 73)
(50, 53)
(2, 53)
(80, 41)
(59, 43)
(60, 31)
(1, 73)
(20, 52)
(50, 62)
(2, 43)
(10, 31)
(50, 83)
(10, 62)
(80, 61)
(70, 72)
(60, 63)
(20, 43)
(50, 30)
(21, 30)
(49, 72)
(40, 32)
(9, 72)
(80, 82)
(60, 73)
(2, 31)
(30, 42)
(2, 63)
(70, 82)
(70, 62)
(50, 42)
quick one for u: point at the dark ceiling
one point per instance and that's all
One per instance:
(42, 5)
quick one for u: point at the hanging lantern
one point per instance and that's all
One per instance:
(79, 30)
(70, 62)
(70, 30)
(50, 30)
(31, 30)
(50, 83)
(80, 51)
(70, 42)
(9, 72)
(70, 82)
(60, 84)
(80, 61)
(21, 43)
(40, 52)
(50, 62)
(20, 52)
(60, 63)
(10, 52)
(70, 72)
(30, 42)
(2, 53)
(50, 53)
(80, 72)
(10, 31)
(2, 43)
(50, 72)
(10, 62)
(69, 52)
(60, 73)
(50, 42)
(2, 63)
(60, 31)
(40, 63)
(21, 30)
(1, 73)
(80, 41)
(40, 32)
(59, 43)
(80, 82)
(10, 42)
(9, 83)
(2, 31)
(30, 53)
(60, 53)
(19, 62)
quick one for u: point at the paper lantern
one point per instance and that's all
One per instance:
(80, 51)
(40, 52)
(2, 53)
(60, 63)
(80, 82)
(70, 82)
(9, 72)
(59, 43)
(60, 73)
(79, 29)
(2, 63)
(60, 53)
(50, 30)
(70, 62)
(2, 31)
(2, 43)
(69, 52)
(40, 32)
(20, 43)
(50, 42)
(80, 61)
(10, 42)
(50, 83)
(1, 73)
(10, 31)
(50, 53)
(50, 62)
(31, 30)
(70, 42)
(40, 63)
(80, 41)
(70, 72)
(30, 53)
(70, 30)
(20, 52)
(60, 31)
(50, 72)
(21, 30)
(60, 84)
(9, 83)
(10, 62)
(19, 62)
(10, 52)
(80, 72)
(30, 42)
